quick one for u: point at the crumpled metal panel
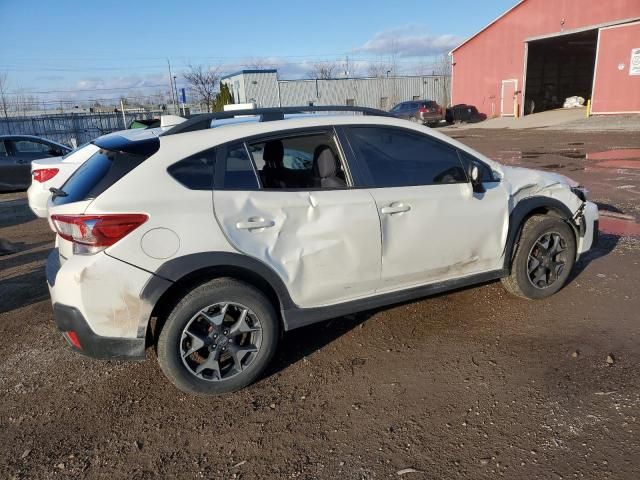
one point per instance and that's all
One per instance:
(107, 293)
(325, 245)
(449, 232)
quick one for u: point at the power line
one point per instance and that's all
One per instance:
(86, 90)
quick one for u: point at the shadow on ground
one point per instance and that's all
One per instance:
(15, 212)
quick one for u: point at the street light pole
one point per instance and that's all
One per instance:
(175, 87)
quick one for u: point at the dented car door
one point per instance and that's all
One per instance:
(324, 244)
(434, 226)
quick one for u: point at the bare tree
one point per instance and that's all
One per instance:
(442, 66)
(323, 70)
(379, 70)
(4, 87)
(203, 82)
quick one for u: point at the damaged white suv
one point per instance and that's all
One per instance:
(212, 239)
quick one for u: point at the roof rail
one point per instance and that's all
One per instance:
(203, 121)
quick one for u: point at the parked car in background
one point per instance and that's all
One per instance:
(16, 154)
(209, 242)
(426, 112)
(464, 113)
(52, 173)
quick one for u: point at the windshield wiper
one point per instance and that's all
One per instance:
(57, 192)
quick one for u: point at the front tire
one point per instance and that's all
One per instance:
(219, 338)
(544, 258)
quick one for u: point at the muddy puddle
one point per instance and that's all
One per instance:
(620, 225)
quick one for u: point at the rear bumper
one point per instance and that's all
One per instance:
(96, 297)
(69, 319)
(431, 117)
(38, 198)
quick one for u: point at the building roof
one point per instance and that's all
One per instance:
(488, 25)
(242, 72)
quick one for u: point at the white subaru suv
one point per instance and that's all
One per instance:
(214, 238)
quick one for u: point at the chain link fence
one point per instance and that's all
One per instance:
(70, 128)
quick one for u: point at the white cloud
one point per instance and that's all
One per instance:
(409, 42)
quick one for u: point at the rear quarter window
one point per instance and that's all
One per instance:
(195, 172)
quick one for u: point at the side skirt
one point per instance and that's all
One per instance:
(300, 317)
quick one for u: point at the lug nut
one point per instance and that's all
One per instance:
(225, 332)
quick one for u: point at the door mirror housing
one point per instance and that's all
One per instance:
(476, 181)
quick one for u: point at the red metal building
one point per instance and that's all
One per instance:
(540, 52)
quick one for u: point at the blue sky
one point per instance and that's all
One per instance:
(95, 49)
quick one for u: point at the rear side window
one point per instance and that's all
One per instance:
(398, 158)
(195, 172)
(27, 146)
(98, 173)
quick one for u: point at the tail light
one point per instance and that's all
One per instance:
(72, 338)
(423, 110)
(93, 233)
(44, 174)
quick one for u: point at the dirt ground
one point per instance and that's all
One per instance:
(472, 384)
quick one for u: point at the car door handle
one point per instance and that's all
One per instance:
(395, 208)
(254, 223)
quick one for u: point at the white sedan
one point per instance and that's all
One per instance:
(53, 172)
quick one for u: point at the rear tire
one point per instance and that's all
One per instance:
(544, 258)
(219, 338)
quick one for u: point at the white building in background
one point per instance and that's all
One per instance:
(265, 89)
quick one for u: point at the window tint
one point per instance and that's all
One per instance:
(98, 173)
(288, 162)
(486, 174)
(195, 172)
(234, 170)
(27, 146)
(397, 158)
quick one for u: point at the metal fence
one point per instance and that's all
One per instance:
(65, 127)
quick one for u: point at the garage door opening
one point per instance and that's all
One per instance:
(558, 68)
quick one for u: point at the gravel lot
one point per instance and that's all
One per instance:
(473, 384)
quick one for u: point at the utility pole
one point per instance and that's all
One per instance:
(173, 99)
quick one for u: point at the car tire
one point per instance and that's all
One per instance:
(201, 324)
(544, 258)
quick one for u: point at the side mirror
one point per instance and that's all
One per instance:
(476, 182)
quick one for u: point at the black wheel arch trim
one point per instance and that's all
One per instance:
(177, 269)
(522, 210)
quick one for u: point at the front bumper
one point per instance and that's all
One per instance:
(96, 305)
(588, 224)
